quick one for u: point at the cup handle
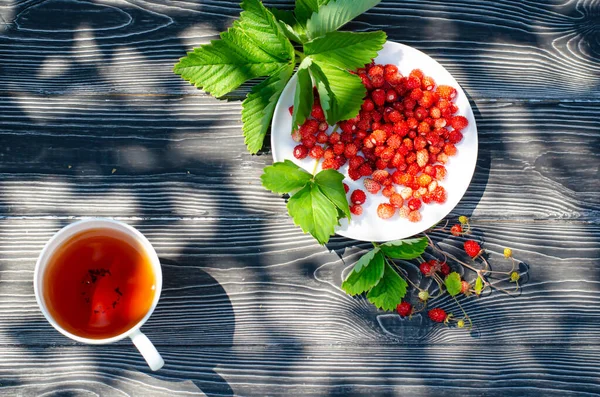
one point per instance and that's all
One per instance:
(149, 352)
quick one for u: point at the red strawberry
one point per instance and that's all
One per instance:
(404, 309)
(414, 216)
(356, 209)
(372, 186)
(346, 188)
(472, 248)
(456, 230)
(459, 122)
(385, 211)
(445, 269)
(414, 204)
(300, 152)
(358, 197)
(446, 92)
(438, 315)
(426, 269)
(380, 175)
(464, 287)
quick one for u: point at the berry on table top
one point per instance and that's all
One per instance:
(438, 315)
(472, 248)
(358, 197)
(404, 309)
(456, 230)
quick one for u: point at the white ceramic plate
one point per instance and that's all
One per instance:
(368, 226)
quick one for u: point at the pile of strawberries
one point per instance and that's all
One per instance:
(399, 142)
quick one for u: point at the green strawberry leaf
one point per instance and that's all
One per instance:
(346, 50)
(478, 285)
(453, 283)
(341, 93)
(367, 272)
(254, 46)
(284, 177)
(335, 14)
(303, 96)
(313, 212)
(305, 8)
(405, 249)
(331, 184)
(290, 25)
(389, 291)
(259, 105)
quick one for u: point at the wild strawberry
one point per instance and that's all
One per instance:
(316, 152)
(378, 96)
(426, 269)
(350, 150)
(390, 69)
(375, 70)
(404, 211)
(423, 295)
(356, 209)
(365, 169)
(322, 138)
(366, 81)
(309, 141)
(385, 211)
(388, 191)
(391, 95)
(439, 195)
(372, 186)
(456, 230)
(416, 94)
(465, 287)
(445, 269)
(450, 149)
(300, 152)
(455, 137)
(417, 73)
(423, 128)
(427, 83)
(317, 112)
(358, 197)
(463, 219)
(424, 180)
(507, 253)
(323, 126)
(421, 113)
(459, 122)
(422, 158)
(438, 315)
(368, 105)
(378, 137)
(446, 92)
(428, 99)
(413, 82)
(291, 110)
(296, 136)
(472, 248)
(396, 200)
(413, 169)
(346, 188)
(404, 309)
(380, 175)
(330, 163)
(414, 204)
(414, 216)
(354, 174)
(356, 161)
(440, 172)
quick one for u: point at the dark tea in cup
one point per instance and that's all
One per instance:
(99, 283)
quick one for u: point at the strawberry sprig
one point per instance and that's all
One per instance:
(382, 267)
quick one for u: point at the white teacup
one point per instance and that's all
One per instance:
(143, 344)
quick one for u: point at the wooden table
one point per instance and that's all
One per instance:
(94, 123)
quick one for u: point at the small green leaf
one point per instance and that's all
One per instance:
(341, 93)
(254, 46)
(313, 212)
(303, 97)
(284, 177)
(405, 249)
(346, 50)
(389, 291)
(259, 105)
(335, 14)
(366, 273)
(453, 283)
(331, 184)
(478, 285)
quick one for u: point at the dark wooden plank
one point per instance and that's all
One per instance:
(509, 49)
(537, 160)
(305, 370)
(267, 283)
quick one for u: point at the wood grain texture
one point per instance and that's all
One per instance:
(94, 123)
(312, 371)
(263, 282)
(514, 48)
